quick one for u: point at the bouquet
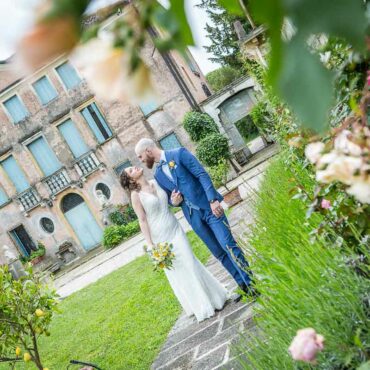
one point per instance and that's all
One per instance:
(161, 256)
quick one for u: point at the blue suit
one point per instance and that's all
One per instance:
(195, 185)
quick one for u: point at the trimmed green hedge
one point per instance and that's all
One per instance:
(199, 125)
(212, 149)
(116, 234)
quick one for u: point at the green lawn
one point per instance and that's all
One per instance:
(119, 322)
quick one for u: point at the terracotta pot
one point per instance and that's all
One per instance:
(233, 197)
(36, 260)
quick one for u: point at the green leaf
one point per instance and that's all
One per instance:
(305, 85)
(232, 6)
(342, 18)
(178, 11)
(73, 8)
(271, 12)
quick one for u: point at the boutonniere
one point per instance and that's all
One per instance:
(172, 165)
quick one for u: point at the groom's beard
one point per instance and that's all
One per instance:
(149, 163)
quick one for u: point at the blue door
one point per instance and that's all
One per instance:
(82, 221)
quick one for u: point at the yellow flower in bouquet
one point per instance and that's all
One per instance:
(162, 256)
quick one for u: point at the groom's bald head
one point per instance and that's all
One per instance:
(148, 152)
(144, 144)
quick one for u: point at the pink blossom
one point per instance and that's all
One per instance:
(306, 344)
(325, 204)
(368, 78)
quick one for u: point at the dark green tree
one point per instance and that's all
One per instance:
(220, 31)
(222, 77)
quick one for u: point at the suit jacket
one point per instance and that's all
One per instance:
(189, 177)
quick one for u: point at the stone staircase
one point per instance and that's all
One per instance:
(209, 344)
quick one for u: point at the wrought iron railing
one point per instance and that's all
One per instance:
(57, 182)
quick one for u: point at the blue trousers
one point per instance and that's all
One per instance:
(216, 234)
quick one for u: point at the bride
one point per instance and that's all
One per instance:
(197, 290)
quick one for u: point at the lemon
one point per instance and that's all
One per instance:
(27, 357)
(18, 351)
(38, 330)
(39, 312)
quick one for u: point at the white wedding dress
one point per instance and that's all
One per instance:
(197, 290)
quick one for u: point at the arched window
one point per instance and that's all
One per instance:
(70, 201)
(104, 189)
(47, 225)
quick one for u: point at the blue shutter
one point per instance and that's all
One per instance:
(170, 142)
(44, 156)
(15, 174)
(16, 109)
(68, 75)
(73, 138)
(45, 90)
(21, 246)
(100, 127)
(148, 107)
(121, 167)
(3, 197)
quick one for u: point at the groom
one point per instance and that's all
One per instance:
(188, 185)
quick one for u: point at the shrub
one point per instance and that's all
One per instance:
(116, 234)
(302, 283)
(218, 173)
(117, 218)
(222, 77)
(122, 215)
(131, 229)
(199, 125)
(212, 149)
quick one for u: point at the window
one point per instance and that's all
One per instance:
(148, 107)
(191, 65)
(3, 197)
(45, 90)
(47, 225)
(170, 142)
(104, 189)
(97, 123)
(16, 109)
(68, 75)
(73, 138)
(71, 201)
(23, 241)
(15, 174)
(118, 170)
(44, 156)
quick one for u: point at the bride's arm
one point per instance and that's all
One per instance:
(143, 222)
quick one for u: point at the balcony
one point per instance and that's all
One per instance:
(57, 182)
(87, 164)
(28, 199)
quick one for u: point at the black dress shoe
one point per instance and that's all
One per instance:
(249, 290)
(237, 298)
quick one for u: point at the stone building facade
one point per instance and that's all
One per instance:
(59, 146)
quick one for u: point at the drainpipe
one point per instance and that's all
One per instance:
(176, 74)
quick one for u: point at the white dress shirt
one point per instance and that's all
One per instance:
(165, 167)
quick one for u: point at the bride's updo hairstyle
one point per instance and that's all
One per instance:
(128, 183)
